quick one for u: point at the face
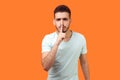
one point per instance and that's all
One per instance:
(63, 20)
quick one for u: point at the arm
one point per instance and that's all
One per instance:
(84, 65)
(48, 58)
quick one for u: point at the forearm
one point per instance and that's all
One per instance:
(48, 61)
(85, 70)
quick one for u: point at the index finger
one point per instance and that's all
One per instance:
(61, 29)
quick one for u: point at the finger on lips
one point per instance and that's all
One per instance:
(61, 29)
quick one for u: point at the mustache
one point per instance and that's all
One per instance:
(64, 31)
(62, 26)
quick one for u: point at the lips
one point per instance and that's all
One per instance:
(63, 30)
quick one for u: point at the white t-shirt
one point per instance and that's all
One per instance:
(65, 66)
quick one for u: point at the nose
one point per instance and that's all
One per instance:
(61, 22)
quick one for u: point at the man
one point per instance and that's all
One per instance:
(62, 49)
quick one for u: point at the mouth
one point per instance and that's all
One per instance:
(63, 31)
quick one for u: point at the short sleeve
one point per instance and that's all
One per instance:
(84, 47)
(46, 44)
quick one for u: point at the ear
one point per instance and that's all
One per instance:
(53, 22)
(70, 20)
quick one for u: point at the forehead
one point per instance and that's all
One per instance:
(62, 15)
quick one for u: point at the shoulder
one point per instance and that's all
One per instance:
(50, 35)
(79, 35)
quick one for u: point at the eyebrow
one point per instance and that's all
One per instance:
(61, 18)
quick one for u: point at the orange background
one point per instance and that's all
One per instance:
(23, 24)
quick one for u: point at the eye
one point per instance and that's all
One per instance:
(58, 19)
(65, 19)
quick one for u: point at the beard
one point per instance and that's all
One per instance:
(65, 29)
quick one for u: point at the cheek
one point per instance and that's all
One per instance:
(57, 25)
(67, 24)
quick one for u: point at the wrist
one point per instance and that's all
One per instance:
(57, 43)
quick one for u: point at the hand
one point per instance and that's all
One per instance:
(61, 36)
